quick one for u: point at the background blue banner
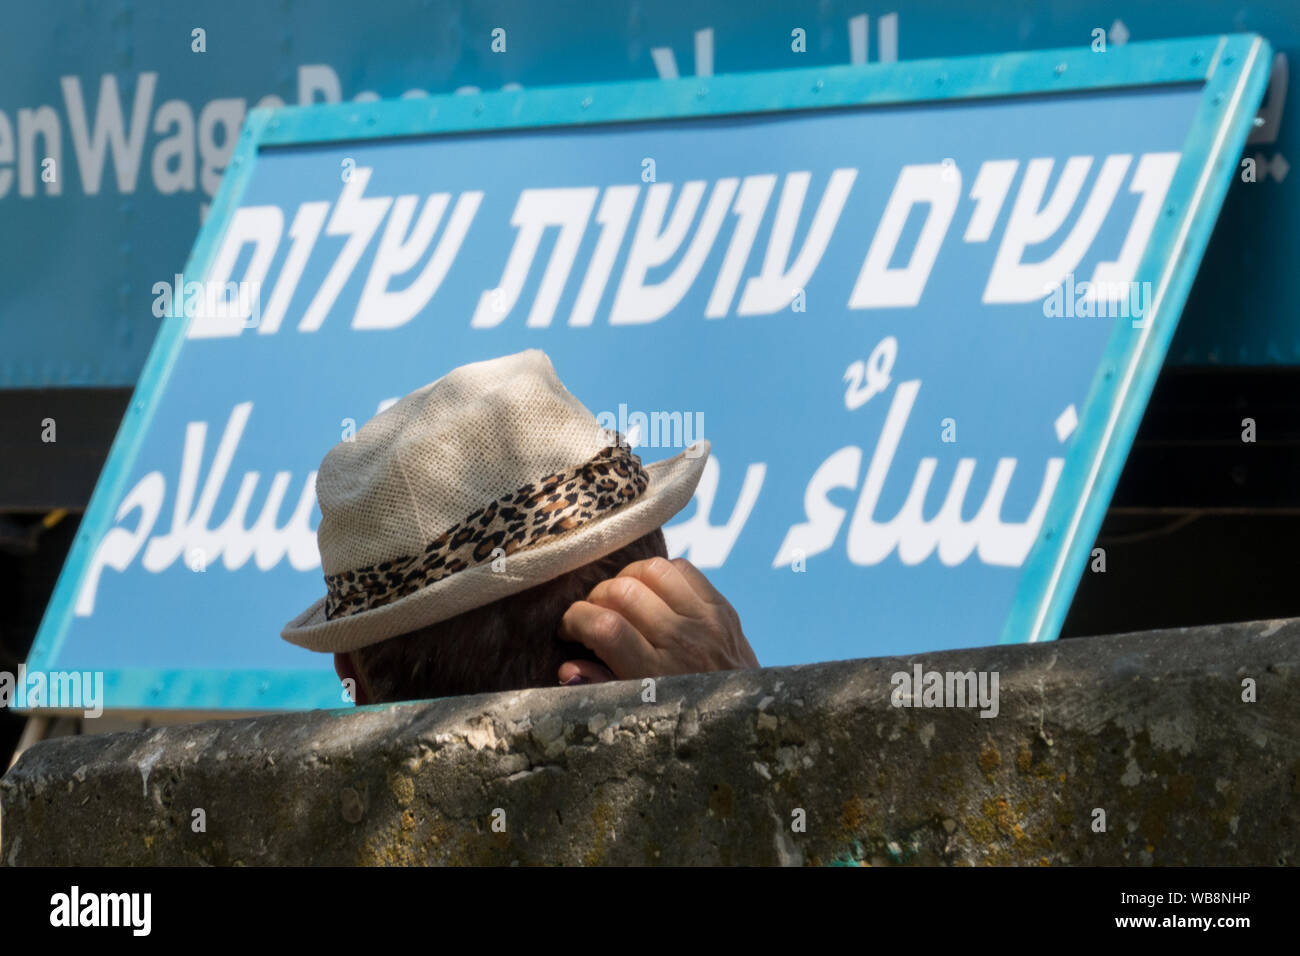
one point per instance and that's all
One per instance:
(117, 121)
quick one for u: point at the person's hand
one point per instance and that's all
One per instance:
(657, 617)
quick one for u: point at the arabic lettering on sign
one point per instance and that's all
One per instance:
(192, 537)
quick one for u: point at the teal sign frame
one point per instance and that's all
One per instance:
(1231, 72)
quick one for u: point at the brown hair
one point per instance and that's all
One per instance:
(509, 644)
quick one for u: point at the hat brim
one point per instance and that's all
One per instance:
(672, 483)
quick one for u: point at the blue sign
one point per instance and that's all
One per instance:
(917, 309)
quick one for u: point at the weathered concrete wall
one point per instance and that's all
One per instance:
(1150, 728)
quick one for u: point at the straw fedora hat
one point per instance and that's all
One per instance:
(485, 483)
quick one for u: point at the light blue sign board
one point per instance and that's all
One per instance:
(139, 126)
(866, 286)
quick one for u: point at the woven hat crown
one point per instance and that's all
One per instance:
(480, 432)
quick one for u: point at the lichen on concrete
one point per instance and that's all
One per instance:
(789, 766)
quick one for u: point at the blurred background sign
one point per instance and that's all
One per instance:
(918, 309)
(117, 121)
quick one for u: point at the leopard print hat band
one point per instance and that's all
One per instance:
(535, 513)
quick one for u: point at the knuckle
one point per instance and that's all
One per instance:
(624, 590)
(606, 626)
(659, 568)
(635, 569)
(601, 592)
(697, 659)
(718, 635)
(731, 616)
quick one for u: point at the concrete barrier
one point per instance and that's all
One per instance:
(1173, 747)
